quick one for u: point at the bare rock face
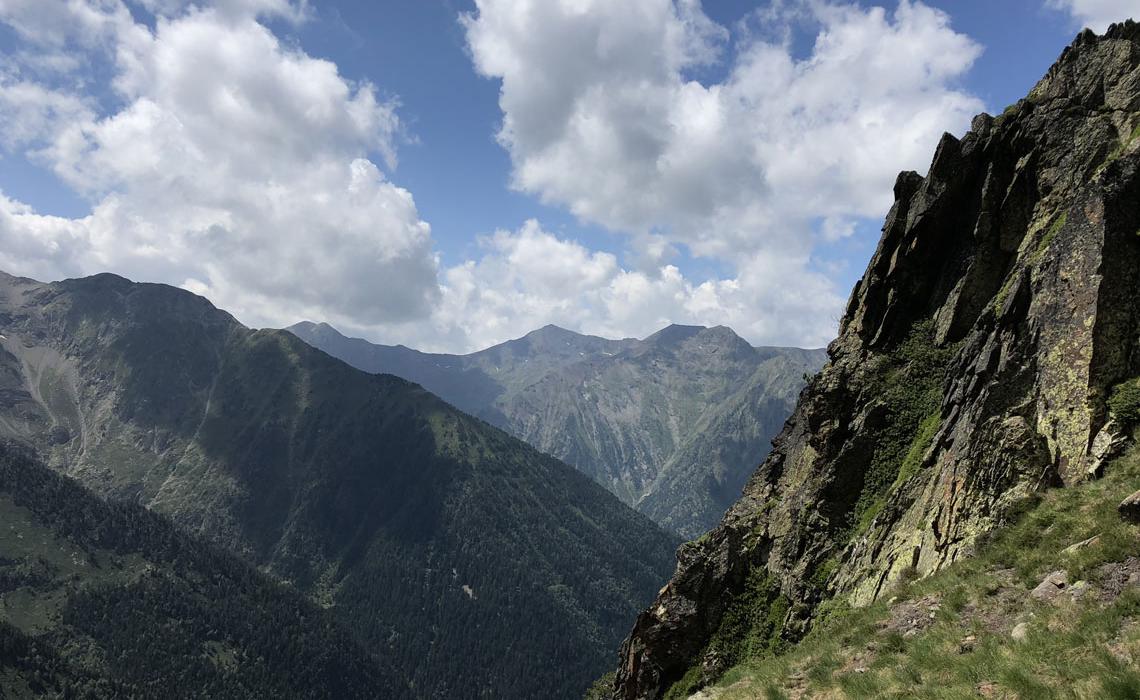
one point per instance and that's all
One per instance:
(972, 370)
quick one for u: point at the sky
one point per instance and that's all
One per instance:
(449, 174)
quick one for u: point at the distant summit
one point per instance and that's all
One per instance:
(672, 424)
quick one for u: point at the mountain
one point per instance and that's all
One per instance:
(989, 353)
(475, 564)
(672, 424)
(101, 600)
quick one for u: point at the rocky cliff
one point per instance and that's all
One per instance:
(972, 370)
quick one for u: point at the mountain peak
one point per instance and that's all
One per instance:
(674, 333)
(551, 330)
(308, 329)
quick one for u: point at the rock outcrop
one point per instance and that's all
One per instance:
(972, 369)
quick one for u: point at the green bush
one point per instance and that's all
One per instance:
(1124, 403)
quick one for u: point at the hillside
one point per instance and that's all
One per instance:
(672, 424)
(111, 600)
(988, 354)
(440, 542)
(1047, 608)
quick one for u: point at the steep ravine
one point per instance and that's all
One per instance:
(972, 370)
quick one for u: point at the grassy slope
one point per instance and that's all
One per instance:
(949, 636)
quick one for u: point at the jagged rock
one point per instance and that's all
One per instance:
(1108, 444)
(1051, 587)
(1014, 265)
(1129, 508)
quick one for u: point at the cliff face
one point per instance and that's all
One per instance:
(971, 370)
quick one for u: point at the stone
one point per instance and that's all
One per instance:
(1129, 508)
(1020, 632)
(1083, 544)
(1051, 587)
(1107, 444)
(1079, 590)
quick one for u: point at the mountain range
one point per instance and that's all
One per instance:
(468, 561)
(193, 508)
(673, 424)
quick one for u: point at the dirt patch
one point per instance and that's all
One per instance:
(910, 617)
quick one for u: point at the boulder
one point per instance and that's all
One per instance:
(1129, 508)
(1051, 587)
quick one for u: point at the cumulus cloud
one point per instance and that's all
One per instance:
(1097, 14)
(601, 114)
(217, 158)
(529, 277)
(234, 166)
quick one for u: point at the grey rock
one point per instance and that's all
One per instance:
(1129, 508)
(1051, 587)
(1083, 544)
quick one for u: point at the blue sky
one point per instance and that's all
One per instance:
(351, 164)
(461, 177)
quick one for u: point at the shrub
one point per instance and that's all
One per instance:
(1124, 402)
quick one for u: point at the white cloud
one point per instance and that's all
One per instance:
(237, 167)
(246, 170)
(59, 22)
(527, 278)
(600, 115)
(1098, 14)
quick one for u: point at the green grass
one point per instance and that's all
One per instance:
(1073, 649)
(601, 688)
(1123, 146)
(1006, 114)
